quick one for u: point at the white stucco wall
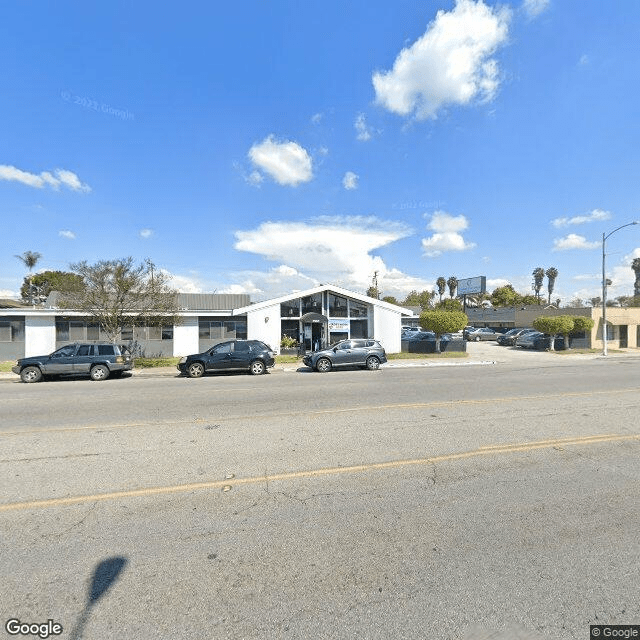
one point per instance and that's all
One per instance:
(264, 324)
(39, 335)
(387, 326)
(185, 337)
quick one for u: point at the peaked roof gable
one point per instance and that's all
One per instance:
(320, 289)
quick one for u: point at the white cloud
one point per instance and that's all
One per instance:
(185, 284)
(8, 293)
(450, 64)
(335, 250)
(595, 216)
(146, 233)
(573, 241)
(350, 180)
(286, 162)
(45, 178)
(533, 8)
(447, 236)
(67, 234)
(316, 118)
(363, 131)
(584, 60)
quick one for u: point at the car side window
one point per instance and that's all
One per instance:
(344, 345)
(64, 352)
(106, 350)
(242, 347)
(85, 350)
(222, 348)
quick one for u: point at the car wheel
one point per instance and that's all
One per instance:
(99, 372)
(323, 365)
(257, 368)
(477, 338)
(373, 363)
(31, 374)
(195, 370)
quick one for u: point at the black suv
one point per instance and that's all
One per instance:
(236, 355)
(99, 360)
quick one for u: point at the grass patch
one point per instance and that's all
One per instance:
(427, 356)
(6, 365)
(287, 359)
(148, 363)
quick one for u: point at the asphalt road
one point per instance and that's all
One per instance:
(496, 501)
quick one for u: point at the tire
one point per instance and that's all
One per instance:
(31, 374)
(372, 363)
(257, 368)
(99, 372)
(323, 365)
(195, 370)
(477, 338)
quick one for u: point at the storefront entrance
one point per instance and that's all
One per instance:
(313, 331)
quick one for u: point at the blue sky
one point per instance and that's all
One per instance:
(264, 147)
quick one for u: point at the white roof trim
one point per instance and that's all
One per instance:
(326, 287)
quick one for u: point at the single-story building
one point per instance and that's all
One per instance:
(314, 317)
(623, 324)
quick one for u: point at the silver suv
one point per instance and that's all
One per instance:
(99, 361)
(348, 353)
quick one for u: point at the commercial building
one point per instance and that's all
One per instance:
(314, 317)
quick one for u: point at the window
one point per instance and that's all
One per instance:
(242, 347)
(337, 306)
(357, 309)
(290, 309)
(167, 332)
(225, 347)
(93, 331)
(62, 330)
(106, 350)
(312, 304)
(85, 350)
(126, 333)
(359, 328)
(11, 329)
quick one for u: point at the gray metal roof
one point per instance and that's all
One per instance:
(213, 301)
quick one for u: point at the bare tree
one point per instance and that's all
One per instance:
(552, 274)
(30, 259)
(538, 281)
(118, 293)
(452, 283)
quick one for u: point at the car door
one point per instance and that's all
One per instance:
(240, 355)
(84, 358)
(219, 357)
(345, 354)
(61, 361)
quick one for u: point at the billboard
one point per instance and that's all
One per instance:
(472, 285)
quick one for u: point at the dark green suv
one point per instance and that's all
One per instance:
(99, 361)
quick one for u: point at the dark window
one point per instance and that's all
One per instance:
(337, 306)
(85, 350)
(225, 347)
(127, 332)
(62, 330)
(357, 309)
(359, 328)
(312, 304)
(93, 331)
(65, 352)
(290, 309)
(167, 332)
(242, 347)
(106, 350)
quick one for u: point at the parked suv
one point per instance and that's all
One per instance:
(235, 355)
(348, 353)
(99, 361)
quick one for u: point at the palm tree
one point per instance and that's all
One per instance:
(441, 283)
(452, 283)
(30, 259)
(538, 281)
(552, 274)
(635, 265)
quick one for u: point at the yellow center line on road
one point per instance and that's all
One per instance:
(323, 472)
(185, 421)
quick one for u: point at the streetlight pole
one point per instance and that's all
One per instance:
(604, 285)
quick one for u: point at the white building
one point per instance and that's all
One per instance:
(315, 317)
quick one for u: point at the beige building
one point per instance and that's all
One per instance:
(623, 324)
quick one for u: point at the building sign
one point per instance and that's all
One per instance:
(472, 285)
(339, 325)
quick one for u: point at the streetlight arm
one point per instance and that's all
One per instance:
(629, 224)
